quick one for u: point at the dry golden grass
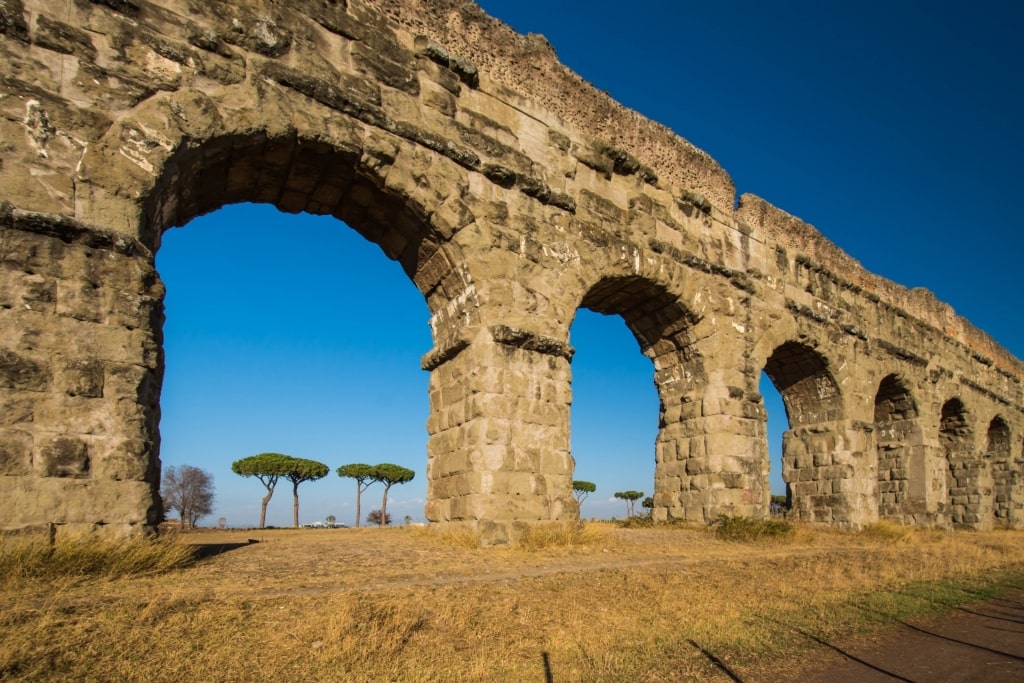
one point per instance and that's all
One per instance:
(597, 603)
(33, 558)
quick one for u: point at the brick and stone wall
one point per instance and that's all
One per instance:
(513, 194)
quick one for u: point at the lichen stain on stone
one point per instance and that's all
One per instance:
(38, 126)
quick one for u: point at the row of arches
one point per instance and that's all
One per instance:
(418, 208)
(483, 256)
(948, 468)
(507, 221)
(906, 483)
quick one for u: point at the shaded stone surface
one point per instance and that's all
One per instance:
(512, 196)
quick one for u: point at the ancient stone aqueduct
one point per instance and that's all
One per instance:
(513, 194)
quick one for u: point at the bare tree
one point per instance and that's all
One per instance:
(375, 517)
(189, 490)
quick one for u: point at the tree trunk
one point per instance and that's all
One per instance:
(295, 503)
(384, 506)
(263, 508)
(359, 495)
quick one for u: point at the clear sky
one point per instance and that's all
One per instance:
(893, 127)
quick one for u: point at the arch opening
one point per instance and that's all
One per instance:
(998, 449)
(812, 402)
(801, 375)
(613, 416)
(967, 477)
(290, 334)
(776, 425)
(899, 450)
(388, 192)
(661, 326)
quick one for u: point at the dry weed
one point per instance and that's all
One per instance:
(622, 604)
(887, 531)
(563, 535)
(34, 557)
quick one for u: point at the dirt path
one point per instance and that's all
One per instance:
(983, 643)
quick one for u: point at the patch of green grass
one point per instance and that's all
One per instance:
(747, 529)
(919, 598)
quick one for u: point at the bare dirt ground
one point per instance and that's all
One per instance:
(285, 562)
(981, 643)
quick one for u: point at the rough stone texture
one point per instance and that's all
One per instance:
(513, 194)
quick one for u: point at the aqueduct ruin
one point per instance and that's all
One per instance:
(513, 194)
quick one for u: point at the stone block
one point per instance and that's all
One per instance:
(18, 371)
(726, 444)
(62, 456)
(125, 460)
(734, 480)
(82, 378)
(821, 459)
(15, 452)
(81, 301)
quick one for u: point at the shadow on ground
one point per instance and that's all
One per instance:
(205, 550)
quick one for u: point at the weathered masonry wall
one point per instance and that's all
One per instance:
(512, 194)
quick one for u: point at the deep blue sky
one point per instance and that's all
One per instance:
(893, 127)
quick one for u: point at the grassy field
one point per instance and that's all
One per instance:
(412, 604)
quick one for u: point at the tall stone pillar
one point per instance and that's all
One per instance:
(832, 473)
(970, 492)
(498, 444)
(80, 373)
(711, 453)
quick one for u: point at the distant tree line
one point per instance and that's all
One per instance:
(631, 497)
(189, 490)
(270, 468)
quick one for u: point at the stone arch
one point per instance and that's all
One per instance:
(661, 324)
(968, 478)
(663, 327)
(393, 192)
(1003, 475)
(818, 451)
(900, 449)
(387, 188)
(706, 458)
(809, 390)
